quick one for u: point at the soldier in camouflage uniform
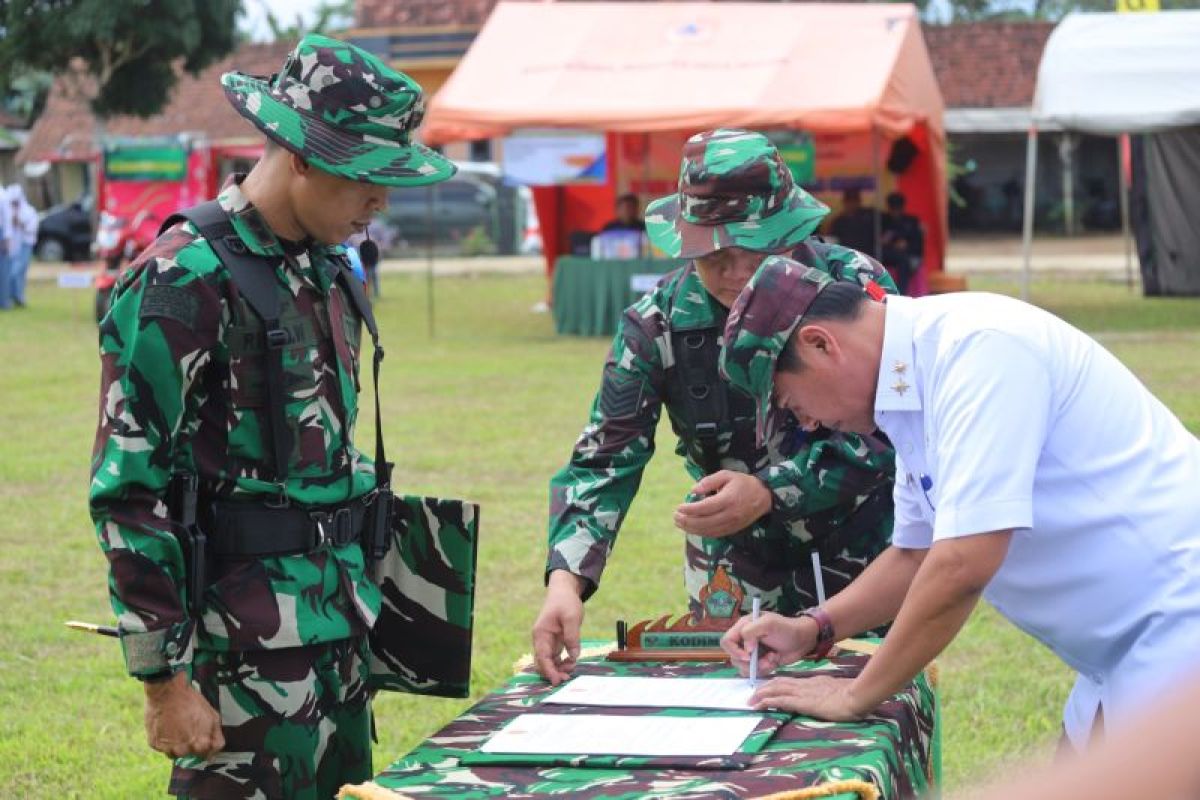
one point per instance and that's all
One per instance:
(766, 498)
(256, 684)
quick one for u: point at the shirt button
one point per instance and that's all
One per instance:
(908, 448)
(172, 649)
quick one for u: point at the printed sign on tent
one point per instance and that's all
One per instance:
(554, 158)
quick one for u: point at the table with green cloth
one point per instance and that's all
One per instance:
(588, 296)
(892, 754)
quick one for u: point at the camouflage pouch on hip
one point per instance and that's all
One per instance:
(421, 642)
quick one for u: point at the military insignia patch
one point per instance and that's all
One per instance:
(620, 395)
(164, 301)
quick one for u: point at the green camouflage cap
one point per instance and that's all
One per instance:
(344, 111)
(734, 191)
(760, 324)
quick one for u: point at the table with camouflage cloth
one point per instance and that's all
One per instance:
(890, 755)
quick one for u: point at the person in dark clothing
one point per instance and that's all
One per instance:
(903, 242)
(628, 215)
(854, 227)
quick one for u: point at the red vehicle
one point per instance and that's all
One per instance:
(142, 182)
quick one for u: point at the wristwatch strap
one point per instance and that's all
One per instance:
(825, 637)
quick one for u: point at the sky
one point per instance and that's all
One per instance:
(255, 20)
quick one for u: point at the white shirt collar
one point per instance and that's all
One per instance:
(896, 389)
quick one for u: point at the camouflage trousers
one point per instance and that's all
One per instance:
(296, 721)
(771, 562)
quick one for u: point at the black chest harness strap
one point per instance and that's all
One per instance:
(696, 381)
(701, 391)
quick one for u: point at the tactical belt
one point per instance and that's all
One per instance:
(257, 530)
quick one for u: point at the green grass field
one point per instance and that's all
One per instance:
(487, 410)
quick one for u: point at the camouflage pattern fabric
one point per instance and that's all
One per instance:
(419, 646)
(761, 324)
(822, 484)
(181, 389)
(891, 750)
(297, 723)
(734, 191)
(344, 111)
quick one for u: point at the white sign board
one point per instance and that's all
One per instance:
(640, 284)
(554, 158)
(75, 280)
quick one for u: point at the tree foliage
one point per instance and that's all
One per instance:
(128, 49)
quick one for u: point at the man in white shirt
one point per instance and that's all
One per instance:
(23, 228)
(1032, 468)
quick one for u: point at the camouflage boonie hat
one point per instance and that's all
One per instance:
(344, 111)
(734, 191)
(760, 324)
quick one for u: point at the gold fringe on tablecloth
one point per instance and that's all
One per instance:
(864, 790)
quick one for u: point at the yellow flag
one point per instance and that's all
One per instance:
(1126, 6)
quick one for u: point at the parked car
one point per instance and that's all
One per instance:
(65, 231)
(446, 212)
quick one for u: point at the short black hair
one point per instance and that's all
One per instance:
(895, 201)
(841, 301)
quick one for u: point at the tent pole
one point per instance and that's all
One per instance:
(1123, 182)
(1027, 223)
(431, 203)
(1066, 152)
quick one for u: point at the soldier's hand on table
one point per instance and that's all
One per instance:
(782, 640)
(180, 722)
(557, 627)
(734, 501)
(821, 697)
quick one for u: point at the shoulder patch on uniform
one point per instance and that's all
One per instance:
(620, 395)
(166, 301)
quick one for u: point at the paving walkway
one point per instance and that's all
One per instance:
(1099, 256)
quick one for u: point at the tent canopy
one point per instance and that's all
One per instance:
(640, 67)
(1111, 73)
(636, 69)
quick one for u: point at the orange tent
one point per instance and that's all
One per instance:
(637, 68)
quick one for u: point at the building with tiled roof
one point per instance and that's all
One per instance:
(64, 134)
(65, 129)
(987, 72)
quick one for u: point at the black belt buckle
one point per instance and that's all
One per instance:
(334, 528)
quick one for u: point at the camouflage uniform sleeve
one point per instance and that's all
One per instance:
(590, 496)
(825, 473)
(155, 345)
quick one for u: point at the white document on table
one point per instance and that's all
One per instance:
(609, 690)
(602, 734)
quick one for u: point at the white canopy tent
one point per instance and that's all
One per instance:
(1111, 73)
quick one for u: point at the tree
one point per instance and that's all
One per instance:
(121, 55)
